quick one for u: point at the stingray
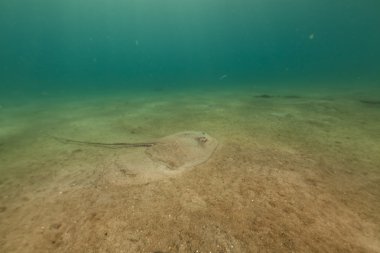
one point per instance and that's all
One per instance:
(147, 161)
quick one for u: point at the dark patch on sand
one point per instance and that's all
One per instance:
(370, 102)
(55, 226)
(264, 96)
(270, 96)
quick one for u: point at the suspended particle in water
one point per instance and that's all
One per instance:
(222, 77)
(311, 36)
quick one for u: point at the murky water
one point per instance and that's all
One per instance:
(289, 91)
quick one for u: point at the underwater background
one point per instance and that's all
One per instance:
(189, 126)
(99, 44)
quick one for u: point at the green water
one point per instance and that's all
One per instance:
(94, 46)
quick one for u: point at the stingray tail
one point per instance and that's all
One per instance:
(104, 145)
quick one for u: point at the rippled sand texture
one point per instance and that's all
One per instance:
(293, 172)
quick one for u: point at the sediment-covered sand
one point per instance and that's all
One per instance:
(293, 172)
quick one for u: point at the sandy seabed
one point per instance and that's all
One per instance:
(294, 171)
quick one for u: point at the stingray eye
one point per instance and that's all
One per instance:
(202, 139)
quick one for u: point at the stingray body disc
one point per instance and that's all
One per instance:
(183, 150)
(170, 156)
